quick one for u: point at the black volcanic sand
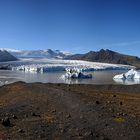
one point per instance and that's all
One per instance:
(69, 112)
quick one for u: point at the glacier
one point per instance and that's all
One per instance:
(50, 65)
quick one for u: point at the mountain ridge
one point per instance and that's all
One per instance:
(6, 56)
(48, 53)
(103, 55)
(107, 56)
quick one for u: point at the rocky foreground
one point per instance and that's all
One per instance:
(68, 112)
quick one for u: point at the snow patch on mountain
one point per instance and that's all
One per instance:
(9, 50)
(48, 53)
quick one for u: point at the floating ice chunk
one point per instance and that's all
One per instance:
(120, 76)
(131, 74)
(127, 81)
(75, 73)
(137, 75)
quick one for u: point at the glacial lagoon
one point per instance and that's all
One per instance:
(99, 77)
(102, 73)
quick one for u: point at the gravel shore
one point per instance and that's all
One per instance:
(39, 111)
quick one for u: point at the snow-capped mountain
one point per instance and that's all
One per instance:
(37, 53)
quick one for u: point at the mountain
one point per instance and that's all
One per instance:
(107, 56)
(6, 56)
(38, 53)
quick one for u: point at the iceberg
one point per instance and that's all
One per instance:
(120, 76)
(130, 75)
(137, 75)
(75, 73)
(127, 81)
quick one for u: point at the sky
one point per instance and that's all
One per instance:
(77, 26)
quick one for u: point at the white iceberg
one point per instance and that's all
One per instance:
(137, 75)
(75, 74)
(131, 74)
(127, 82)
(120, 76)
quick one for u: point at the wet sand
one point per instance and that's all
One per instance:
(69, 112)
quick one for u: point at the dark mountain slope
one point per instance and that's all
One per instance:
(107, 56)
(6, 56)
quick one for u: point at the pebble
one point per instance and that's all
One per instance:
(39, 136)
(109, 102)
(81, 117)
(62, 130)
(121, 114)
(33, 114)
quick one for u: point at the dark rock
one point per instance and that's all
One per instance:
(21, 131)
(114, 96)
(58, 84)
(34, 114)
(14, 117)
(54, 110)
(6, 122)
(121, 103)
(106, 125)
(97, 102)
(68, 116)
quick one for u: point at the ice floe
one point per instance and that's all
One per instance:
(131, 74)
(75, 73)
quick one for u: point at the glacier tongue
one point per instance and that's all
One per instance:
(45, 65)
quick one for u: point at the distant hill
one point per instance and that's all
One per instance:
(107, 56)
(6, 56)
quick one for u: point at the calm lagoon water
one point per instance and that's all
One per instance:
(99, 77)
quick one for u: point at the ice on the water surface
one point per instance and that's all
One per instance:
(127, 81)
(120, 76)
(75, 73)
(131, 74)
